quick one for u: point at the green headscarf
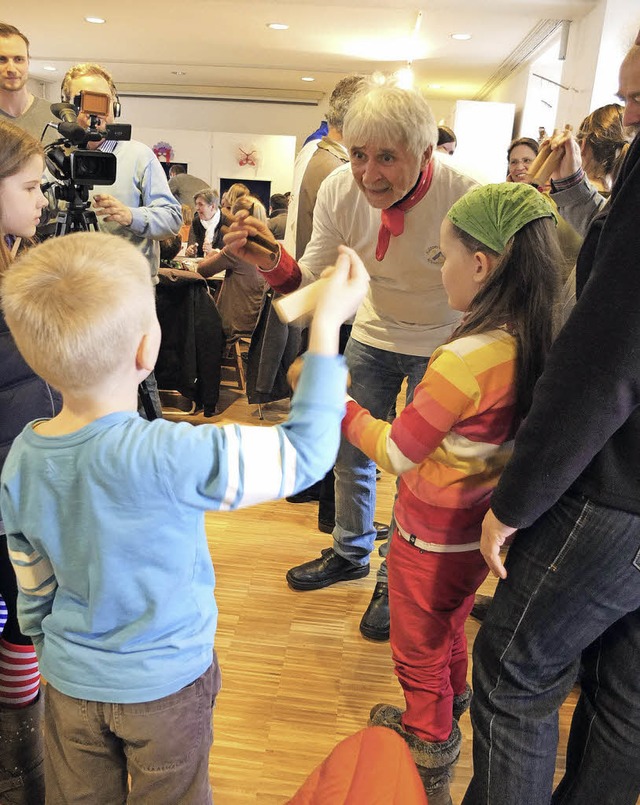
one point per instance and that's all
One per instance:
(493, 213)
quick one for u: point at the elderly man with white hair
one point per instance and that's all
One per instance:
(387, 204)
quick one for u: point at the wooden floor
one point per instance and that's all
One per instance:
(297, 675)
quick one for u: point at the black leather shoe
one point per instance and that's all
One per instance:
(382, 530)
(480, 607)
(324, 572)
(309, 495)
(375, 621)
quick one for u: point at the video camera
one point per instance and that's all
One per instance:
(76, 168)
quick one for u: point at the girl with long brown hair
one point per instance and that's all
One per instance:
(23, 397)
(449, 447)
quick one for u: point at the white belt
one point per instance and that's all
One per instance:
(436, 547)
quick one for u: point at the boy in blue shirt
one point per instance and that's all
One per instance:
(104, 514)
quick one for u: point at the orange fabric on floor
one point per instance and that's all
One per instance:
(372, 767)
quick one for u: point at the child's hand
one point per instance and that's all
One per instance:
(346, 286)
(342, 289)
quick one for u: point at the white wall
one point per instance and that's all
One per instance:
(223, 116)
(621, 23)
(444, 110)
(483, 130)
(597, 44)
(214, 155)
(580, 66)
(543, 93)
(274, 157)
(514, 90)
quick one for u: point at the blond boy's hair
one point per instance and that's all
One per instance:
(77, 307)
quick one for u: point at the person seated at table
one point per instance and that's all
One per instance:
(230, 196)
(187, 220)
(243, 289)
(205, 233)
(169, 250)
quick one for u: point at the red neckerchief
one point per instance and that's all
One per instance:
(392, 219)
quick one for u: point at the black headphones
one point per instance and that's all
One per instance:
(117, 106)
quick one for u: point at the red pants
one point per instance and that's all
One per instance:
(430, 597)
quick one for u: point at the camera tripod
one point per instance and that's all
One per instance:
(79, 218)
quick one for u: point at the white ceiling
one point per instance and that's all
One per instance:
(225, 47)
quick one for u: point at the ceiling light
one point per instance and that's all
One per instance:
(435, 86)
(49, 68)
(178, 72)
(307, 78)
(95, 20)
(461, 37)
(277, 26)
(404, 77)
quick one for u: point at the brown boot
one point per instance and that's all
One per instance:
(434, 760)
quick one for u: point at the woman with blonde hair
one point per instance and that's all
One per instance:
(233, 194)
(243, 289)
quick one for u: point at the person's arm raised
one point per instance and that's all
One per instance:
(344, 286)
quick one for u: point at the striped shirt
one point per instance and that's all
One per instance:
(19, 674)
(451, 443)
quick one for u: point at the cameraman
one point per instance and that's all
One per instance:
(139, 206)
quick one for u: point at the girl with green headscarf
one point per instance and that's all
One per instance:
(449, 447)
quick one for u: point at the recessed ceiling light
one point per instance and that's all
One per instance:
(404, 77)
(178, 72)
(95, 20)
(307, 78)
(277, 26)
(435, 86)
(461, 37)
(49, 68)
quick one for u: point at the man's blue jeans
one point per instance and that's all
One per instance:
(376, 378)
(572, 594)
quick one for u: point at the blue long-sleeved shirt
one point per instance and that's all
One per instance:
(106, 534)
(141, 184)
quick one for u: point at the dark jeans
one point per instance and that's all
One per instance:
(572, 592)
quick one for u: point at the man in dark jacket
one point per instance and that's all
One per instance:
(570, 589)
(184, 186)
(278, 215)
